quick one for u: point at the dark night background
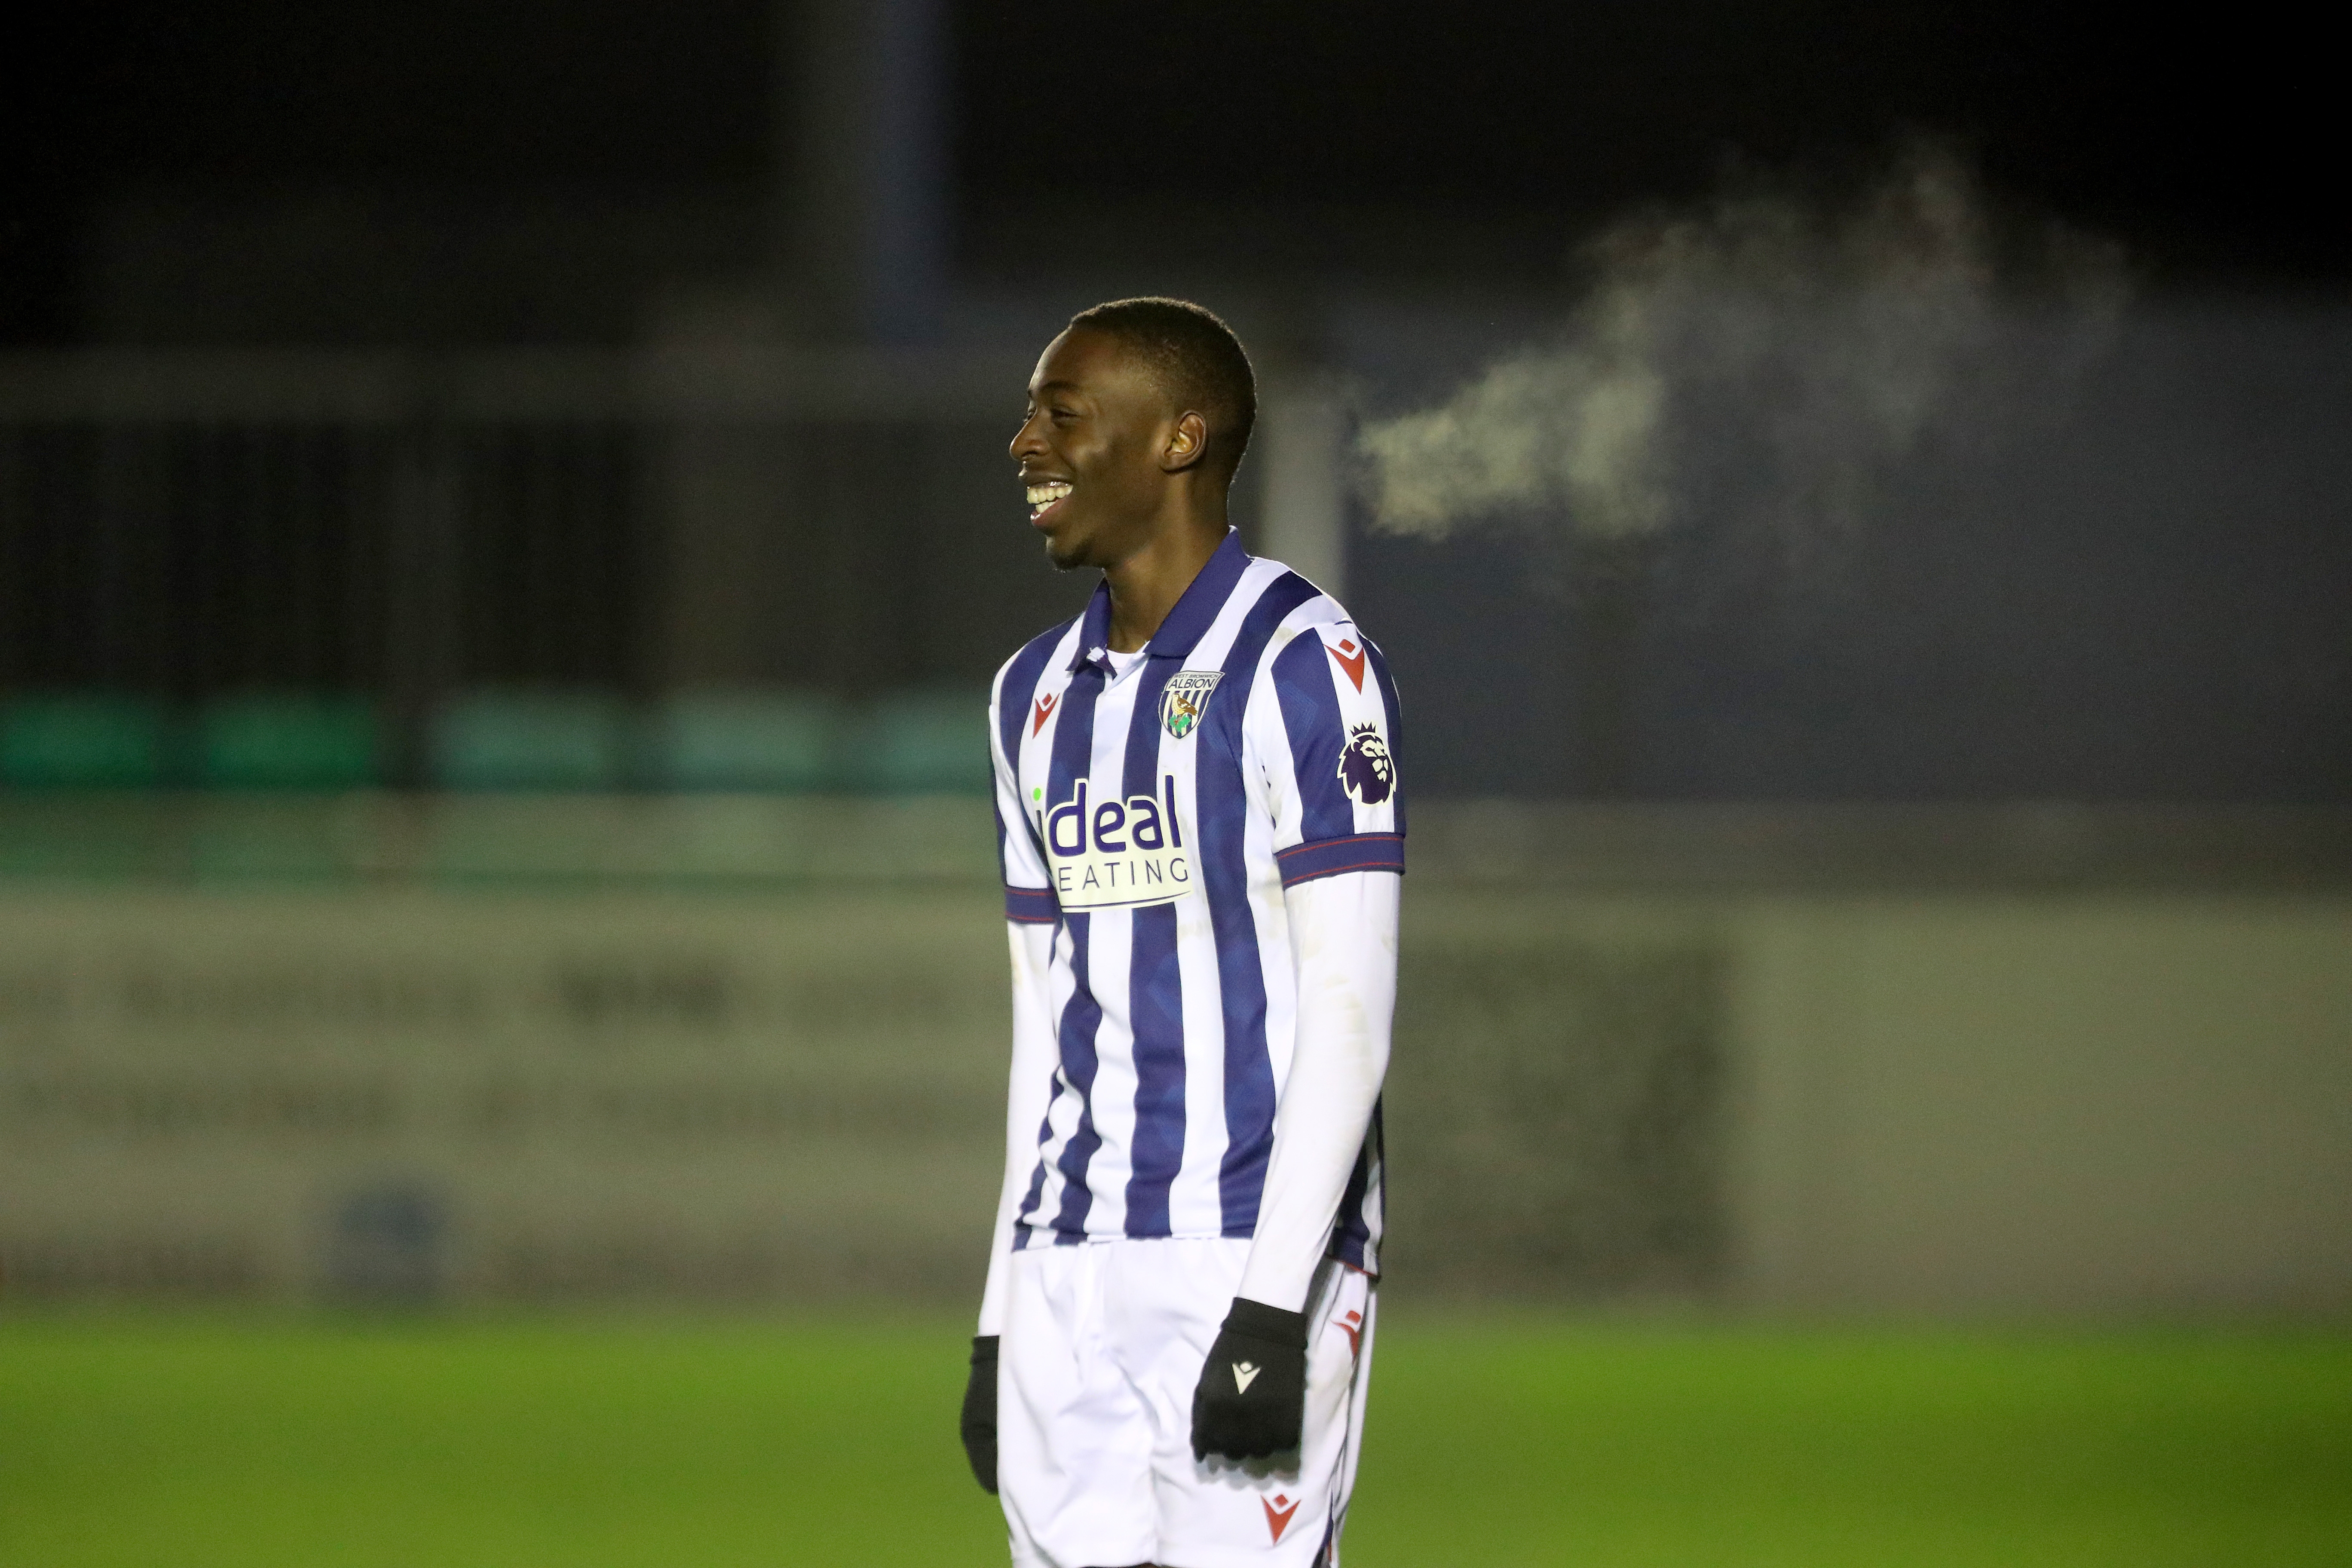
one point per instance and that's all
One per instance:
(2209, 155)
(2148, 605)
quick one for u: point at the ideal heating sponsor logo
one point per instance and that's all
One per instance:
(1119, 854)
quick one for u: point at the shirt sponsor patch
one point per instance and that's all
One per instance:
(1118, 854)
(1185, 700)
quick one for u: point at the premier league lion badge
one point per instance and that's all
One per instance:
(1367, 771)
(1186, 698)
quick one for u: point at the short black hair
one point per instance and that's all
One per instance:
(1196, 359)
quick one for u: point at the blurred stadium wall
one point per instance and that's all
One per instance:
(746, 1048)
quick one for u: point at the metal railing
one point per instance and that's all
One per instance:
(182, 529)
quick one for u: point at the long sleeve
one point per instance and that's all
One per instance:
(1032, 925)
(1030, 1085)
(1343, 933)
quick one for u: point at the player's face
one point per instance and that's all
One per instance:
(1090, 450)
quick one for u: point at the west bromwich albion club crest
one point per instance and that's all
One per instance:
(1367, 771)
(1185, 700)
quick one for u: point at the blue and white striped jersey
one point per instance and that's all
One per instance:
(1155, 814)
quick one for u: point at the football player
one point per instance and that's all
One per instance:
(1202, 835)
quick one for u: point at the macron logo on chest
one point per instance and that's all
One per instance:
(1045, 711)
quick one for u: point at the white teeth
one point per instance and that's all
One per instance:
(1046, 494)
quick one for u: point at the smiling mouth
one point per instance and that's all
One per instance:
(1043, 497)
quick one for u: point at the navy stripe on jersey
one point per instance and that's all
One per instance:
(1156, 995)
(1074, 735)
(1395, 719)
(1197, 607)
(1017, 711)
(1310, 714)
(1156, 1011)
(1223, 815)
(1081, 1063)
(1357, 852)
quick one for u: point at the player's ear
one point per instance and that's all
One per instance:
(1187, 442)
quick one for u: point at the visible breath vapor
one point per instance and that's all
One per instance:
(1806, 345)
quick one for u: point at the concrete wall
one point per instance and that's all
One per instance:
(2077, 1103)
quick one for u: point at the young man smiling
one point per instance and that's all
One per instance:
(1203, 835)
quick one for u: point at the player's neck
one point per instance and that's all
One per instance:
(1146, 585)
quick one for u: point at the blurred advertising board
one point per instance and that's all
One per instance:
(418, 1094)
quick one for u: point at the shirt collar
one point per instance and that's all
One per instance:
(1186, 624)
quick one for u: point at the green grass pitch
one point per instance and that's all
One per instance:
(596, 1443)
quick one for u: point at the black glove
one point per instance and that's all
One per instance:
(979, 1423)
(1252, 1400)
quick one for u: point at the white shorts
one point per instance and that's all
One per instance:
(1102, 1346)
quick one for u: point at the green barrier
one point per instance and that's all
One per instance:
(288, 742)
(783, 742)
(929, 742)
(920, 742)
(530, 740)
(83, 742)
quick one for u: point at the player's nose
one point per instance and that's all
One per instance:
(1027, 441)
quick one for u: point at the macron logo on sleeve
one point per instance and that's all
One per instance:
(1351, 655)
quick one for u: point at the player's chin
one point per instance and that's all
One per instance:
(1066, 549)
